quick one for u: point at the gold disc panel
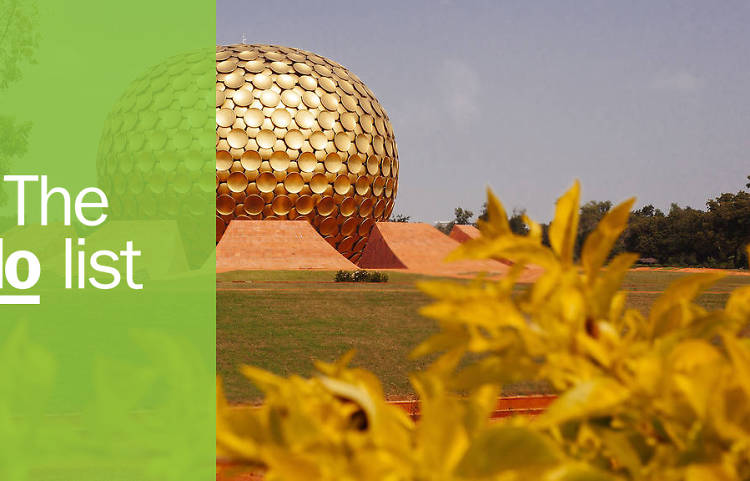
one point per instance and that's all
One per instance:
(300, 137)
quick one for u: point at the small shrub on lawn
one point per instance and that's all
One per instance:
(376, 276)
(360, 276)
(343, 276)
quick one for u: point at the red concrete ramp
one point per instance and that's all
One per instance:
(276, 245)
(462, 233)
(420, 248)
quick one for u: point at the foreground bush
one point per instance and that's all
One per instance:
(360, 276)
(662, 397)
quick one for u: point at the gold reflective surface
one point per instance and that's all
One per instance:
(300, 137)
(306, 162)
(304, 204)
(223, 161)
(279, 161)
(326, 206)
(250, 160)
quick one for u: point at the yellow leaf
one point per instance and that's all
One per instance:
(505, 447)
(738, 304)
(564, 227)
(349, 391)
(598, 244)
(445, 340)
(441, 435)
(535, 230)
(696, 365)
(589, 398)
(647, 372)
(236, 430)
(440, 289)
(739, 353)
(681, 292)
(578, 472)
(708, 472)
(617, 307)
(573, 308)
(260, 377)
(493, 370)
(621, 449)
(479, 407)
(497, 220)
(609, 282)
(333, 369)
(287, 465)
(596, 350)
(517, 249)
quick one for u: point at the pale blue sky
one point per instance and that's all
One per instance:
(640, 98)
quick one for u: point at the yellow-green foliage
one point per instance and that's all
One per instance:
(663, 397)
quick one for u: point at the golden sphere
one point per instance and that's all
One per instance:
(298, 136)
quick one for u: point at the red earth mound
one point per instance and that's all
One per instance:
(419, 248)
(276, 245)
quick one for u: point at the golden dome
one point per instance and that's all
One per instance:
(300, 137)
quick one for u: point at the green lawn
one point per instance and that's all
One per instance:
(283, 320)
(645, 282)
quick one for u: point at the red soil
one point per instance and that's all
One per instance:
(462, 233)
(276, 245)
(420, 248)
(730, 272)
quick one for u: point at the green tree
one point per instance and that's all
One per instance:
(18, 41)
(645, 232)
(399, 218)
(686, 236)
(590, 215)
(461, 216)
(728, 218)
(516, 222)
(483, 216)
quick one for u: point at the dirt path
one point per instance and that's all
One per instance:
(731, 272)
(320, 289)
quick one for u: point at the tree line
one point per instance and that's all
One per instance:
(683, 236)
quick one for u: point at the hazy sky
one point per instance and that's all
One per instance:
(640, 98)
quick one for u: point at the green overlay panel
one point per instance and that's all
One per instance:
(107, 280)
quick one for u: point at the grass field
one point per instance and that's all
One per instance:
(283, 320)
